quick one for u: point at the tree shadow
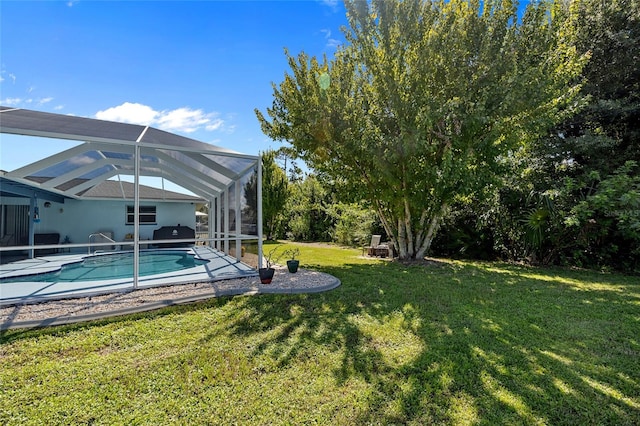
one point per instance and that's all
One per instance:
(493, 343)
(458, 343)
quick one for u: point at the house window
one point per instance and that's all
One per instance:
(147, 215)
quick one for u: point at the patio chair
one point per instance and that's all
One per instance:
(378, 249)
(7, 240)
(371, 248)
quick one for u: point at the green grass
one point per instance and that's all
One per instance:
(453, 343)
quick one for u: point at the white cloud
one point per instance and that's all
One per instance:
(58, 107)
(11, 101)
(215, 125)
(82, 160)
(129, 113)
(28, 100)
(181, 119)
(331, 42)
(184, 119)
(331, 3)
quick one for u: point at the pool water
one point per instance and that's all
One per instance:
(114, 266)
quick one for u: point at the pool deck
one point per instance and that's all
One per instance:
(219, 267)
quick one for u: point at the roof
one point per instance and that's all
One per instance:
(108, 150)
(10, 188)
(112, 189)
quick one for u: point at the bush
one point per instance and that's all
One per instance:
(354, 224)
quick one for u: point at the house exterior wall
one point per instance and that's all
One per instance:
(77, 219)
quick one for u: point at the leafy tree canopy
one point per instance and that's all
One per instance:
(274, 193)
(425, 101)
(588, 166)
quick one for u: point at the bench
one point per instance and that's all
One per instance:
(46, 239)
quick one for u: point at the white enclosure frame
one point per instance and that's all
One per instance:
(209, 171)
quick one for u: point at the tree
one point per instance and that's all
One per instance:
(274, 193)
(425, 102)
(353, 224)
(287, 156)
(578, 162)
(307, 215)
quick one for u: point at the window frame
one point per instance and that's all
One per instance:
(150, 213)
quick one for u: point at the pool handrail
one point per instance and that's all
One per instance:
(98, 234)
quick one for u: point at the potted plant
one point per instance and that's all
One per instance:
(266, 274)
(293, 263)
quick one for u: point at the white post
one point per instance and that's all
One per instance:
(218, 223)
(136, 208)
(136, 216)
(238, 220)
(226, 221)
(209, 224)
(32, 211)
(259, 201)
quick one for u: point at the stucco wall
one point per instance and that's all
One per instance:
(78, 219)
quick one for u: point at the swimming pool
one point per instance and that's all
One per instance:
(114, 266)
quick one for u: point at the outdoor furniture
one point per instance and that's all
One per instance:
(174, 233)
(45, 239)
(375, 242)
(7, 240)
(378, 249)
(384, 250)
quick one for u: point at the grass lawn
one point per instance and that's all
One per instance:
(452, 343)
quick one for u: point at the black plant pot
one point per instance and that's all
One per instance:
(292, 265)
(266, 275)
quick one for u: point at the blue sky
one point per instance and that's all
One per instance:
(195, 68)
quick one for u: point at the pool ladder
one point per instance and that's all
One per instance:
(102, 238)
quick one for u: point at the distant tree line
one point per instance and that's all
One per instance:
(572, 196)
(310, 210)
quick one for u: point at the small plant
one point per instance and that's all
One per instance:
(270, 258)
(266, 273)
(292, 263)
(292, 253)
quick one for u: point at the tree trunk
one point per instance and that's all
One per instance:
(426, 245)
(402, 241)
(412, 243)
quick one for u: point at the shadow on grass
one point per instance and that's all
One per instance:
(455, 343)
(8, 336)
(466, 342)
